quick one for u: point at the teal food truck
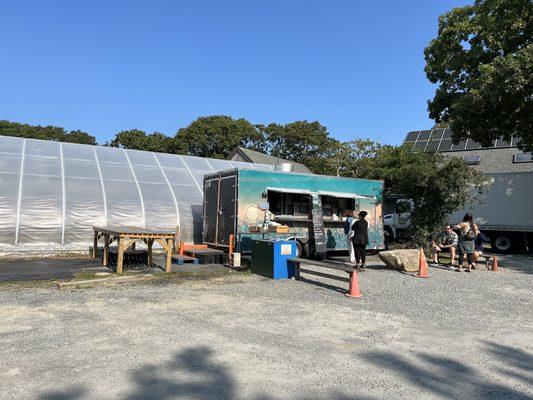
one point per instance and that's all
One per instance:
(307, 208)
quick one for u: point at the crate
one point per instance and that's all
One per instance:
(279, 229)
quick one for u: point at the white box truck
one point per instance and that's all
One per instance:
(505, 214)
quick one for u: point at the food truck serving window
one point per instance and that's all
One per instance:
(287, 203)
(333, 206)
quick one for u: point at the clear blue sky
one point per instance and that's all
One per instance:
(106, 66)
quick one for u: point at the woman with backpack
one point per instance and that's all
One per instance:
(468, 232)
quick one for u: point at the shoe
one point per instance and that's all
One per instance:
(459, 269)
(363, 266)
(356, 266)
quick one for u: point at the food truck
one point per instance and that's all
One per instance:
(309, 209)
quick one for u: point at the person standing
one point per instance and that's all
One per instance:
(360, 239)
(468, 232)
(349, 233)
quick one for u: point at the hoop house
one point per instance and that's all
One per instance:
(51, 193)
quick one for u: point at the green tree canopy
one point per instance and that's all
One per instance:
(216, 136)
(482, 62)
(302, 141)
(436, 184)
(54, 133)
(136, 139)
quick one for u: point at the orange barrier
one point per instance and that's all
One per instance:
(184, 246)
(354, 286)
(495, 264)
(422, 265)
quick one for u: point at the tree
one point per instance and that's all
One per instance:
(305, 142)
(438, 186)
(136, 139)
(353, 158)
(482, 61)
(216, 136)
(54, 133)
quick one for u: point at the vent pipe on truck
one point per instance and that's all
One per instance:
(285, 167)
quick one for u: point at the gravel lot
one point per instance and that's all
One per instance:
(452, 336)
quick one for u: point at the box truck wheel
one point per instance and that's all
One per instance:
(502, 242)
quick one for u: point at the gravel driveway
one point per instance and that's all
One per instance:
(452, 336)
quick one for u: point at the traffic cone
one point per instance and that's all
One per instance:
(495, 264)
(354, 286)
(422, 265)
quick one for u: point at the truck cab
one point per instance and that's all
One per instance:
(397, 224)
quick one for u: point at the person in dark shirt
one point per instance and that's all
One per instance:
(360, 239)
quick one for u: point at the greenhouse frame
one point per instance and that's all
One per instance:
(52, 193)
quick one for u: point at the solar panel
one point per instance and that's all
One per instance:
(433, 145)
(421, 144)
(411, 136)
(445, 145)
(471, 145)
(447, 133)
(424, 135)
(460, 146)
(440, 139)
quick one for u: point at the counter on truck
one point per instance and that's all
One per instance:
(306, 208)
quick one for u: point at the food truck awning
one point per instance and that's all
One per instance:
(344, 195)
(289, 190)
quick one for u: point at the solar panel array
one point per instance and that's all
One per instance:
(440, 140)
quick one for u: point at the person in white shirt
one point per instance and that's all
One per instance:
(349, 234)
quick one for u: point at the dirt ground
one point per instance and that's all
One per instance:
(240, 336)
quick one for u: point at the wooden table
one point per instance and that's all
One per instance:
(126, 236)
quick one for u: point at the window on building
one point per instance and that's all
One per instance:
(472, 160)
(523, 158)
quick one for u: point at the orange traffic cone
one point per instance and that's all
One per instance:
(495, 264)
(422, 266)
(354, 286)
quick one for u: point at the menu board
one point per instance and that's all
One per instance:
(316, 229)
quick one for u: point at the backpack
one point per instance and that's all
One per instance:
(348, 225)
(470, 235)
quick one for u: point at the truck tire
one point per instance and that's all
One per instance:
(503, 242)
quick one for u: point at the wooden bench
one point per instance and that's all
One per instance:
(336, 265)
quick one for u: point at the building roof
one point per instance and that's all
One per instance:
(498, 158)
(256, 157)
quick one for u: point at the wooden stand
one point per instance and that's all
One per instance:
(127, 236)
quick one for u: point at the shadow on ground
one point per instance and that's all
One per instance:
(452, 379)
(191, 374)
(194, 374)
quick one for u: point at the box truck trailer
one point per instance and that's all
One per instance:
(306, 208)
(505, 213)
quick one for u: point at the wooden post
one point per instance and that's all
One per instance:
(231, 245)
(120, 254)
(95, 243)
(169, 255)
(150, 243)
(105, 258)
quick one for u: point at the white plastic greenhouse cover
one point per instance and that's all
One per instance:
(52, 193)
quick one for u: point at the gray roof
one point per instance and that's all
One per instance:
(495, 159)
(247, 155)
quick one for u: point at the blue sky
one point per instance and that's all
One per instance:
(106, 66)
